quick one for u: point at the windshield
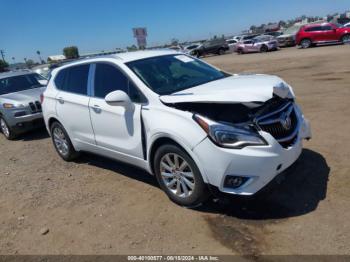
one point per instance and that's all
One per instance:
(19, 83)
(172, 73)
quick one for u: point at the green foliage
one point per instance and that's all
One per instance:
(132, 48)
(3, 65)
(71, 52)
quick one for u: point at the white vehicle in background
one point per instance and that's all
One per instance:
(42, 70)
(232, 44)
(188, 123)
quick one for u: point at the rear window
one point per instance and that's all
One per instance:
(73, 79)
(19, 83)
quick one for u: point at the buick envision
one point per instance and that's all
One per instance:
(325, 33)
(20, 108)
(181, 119)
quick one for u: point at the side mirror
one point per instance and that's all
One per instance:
(119, 98)
(43, 82)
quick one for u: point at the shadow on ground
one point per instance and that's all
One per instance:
(296, 192)
(36, 134)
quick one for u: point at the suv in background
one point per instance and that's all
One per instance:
(216, 46)
(20, 107)
(324, 33)
(287, 39)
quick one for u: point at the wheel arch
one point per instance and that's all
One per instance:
(166, 139)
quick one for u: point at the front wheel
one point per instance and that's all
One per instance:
(264, 49)
(221, 51)
(62, 142)
(179, 176)
(305, 43)
(345, 39)
(6, 130)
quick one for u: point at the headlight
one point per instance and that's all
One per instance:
(228, 135)
(9, 106)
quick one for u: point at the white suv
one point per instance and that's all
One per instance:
(179, 118)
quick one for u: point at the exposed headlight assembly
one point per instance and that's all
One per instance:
(228, 135)
(9, 106)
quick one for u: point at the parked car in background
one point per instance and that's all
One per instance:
(216, 46)
(188, 123)
(20, 107)
(188, 49)
(324, 33)
(247, 37)
(263, 43)
(232, 44)
(43, 70)
(274, 34)
(288, 37)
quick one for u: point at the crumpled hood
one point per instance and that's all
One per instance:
(234, 89)
(23, 97)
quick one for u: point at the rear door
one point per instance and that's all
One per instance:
(72, 102)
(115, 127)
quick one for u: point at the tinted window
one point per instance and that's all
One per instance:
(108, 78)
(314, 28)
(76, 79)
(73, 79)
(19, 83)
(327, 27)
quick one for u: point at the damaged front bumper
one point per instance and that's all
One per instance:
(257, 164)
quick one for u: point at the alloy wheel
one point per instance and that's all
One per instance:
(61, 142)
(346, 39)
(4, 128)
(177, 175)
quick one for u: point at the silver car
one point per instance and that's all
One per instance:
(20, 106)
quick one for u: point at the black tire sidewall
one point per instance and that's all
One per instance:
(72, 154)
(264, 49)
(200, 193)
(304, 40)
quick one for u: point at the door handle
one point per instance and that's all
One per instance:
(97, 109)
(60, 100)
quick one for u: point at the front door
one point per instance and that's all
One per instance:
(116, 128)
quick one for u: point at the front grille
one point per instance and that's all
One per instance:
(35, 107)
(282, 124)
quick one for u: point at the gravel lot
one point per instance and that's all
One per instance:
(98, 206)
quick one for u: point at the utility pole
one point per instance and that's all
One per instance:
(2, 55)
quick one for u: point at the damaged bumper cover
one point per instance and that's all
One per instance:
(257, 164)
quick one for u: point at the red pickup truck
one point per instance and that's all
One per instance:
(324, 33)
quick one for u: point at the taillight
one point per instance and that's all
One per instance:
(41, 98)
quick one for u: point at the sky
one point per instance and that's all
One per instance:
(95, 25)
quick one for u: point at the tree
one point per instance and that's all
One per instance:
(29, 62)
(3, 65)
(38, 53)
(71, 52)
(131, 48)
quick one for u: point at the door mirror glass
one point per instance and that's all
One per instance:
(118, 98)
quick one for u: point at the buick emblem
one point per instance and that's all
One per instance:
(286, 121)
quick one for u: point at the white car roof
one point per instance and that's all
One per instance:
(15, 73)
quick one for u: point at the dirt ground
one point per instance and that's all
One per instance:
(98, 206)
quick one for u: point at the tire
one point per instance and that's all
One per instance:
(181, 180)
(264, 49)
(221, 51)
(240, 51)
(305, 43)
(62, 142)
(6, 130)
(345, 39)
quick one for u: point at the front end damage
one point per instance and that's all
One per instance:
(246, 169)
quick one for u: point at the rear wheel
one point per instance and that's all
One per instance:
(62, 142)
(305, 43)
(240, 51)
(345, 39)
(179, 176)
(6, 130)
